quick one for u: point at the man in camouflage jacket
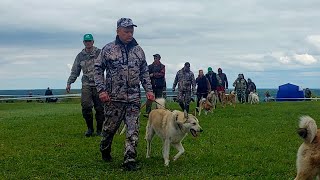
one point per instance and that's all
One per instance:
(186, 86)
(125, 66)
(89, 95)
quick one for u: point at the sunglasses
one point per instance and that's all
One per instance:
(87, 40)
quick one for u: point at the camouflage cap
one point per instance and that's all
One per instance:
(125, 22)
(157, 56)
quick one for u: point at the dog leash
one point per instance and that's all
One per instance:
(161, 105)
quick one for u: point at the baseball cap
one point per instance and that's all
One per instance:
(88, 37)
(157, 55)
(209, 69)
(125, 22)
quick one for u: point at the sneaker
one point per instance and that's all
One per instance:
(130, 166)
(89, 133)
(106, 157)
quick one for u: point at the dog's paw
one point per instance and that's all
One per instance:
(166, 163)
(147, 156)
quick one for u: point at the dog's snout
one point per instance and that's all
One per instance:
(201, 130)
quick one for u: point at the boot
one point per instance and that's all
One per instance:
(89, 132)
(99, 128)
(100, 120)
(106, 156)
(187, 108)
(130, 166)
(88, 116)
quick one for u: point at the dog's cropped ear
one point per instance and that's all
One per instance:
(179, 117)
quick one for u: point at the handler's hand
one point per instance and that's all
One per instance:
(104, 96)
(68, 88)
(150, 96)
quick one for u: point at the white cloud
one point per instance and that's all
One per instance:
(305, 59)
(285, 59)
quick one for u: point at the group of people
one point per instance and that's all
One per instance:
(111, 85)
(243, 88)
(210, 82)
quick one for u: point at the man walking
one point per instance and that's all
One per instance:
(89, 96)
(186, 86)
(157, 76)
(213, 79)
(124, 63)
(203, 87)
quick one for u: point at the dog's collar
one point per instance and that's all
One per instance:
(180, 126)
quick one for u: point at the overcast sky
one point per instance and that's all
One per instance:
(272, 42)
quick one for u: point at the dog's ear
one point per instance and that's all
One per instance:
(303, 132)
(178, 117)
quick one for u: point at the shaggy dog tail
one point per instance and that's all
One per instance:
(307, 129)
(160, 103)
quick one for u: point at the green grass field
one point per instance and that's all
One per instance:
(46, 141)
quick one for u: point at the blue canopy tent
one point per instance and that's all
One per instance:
(290, 91)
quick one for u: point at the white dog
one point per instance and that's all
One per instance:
(253, 98)
(171, 127)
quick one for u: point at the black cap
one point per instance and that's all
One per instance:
(187, 64)
(157, 55)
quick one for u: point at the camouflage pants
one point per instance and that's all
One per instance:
(89, 99)
(115, 112)
(158, 94)
(184, 98)
(241, 94)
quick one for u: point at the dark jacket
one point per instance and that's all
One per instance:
(224, 80)
(48, 92)
(251, 87)
(158, 71)
(213, 81)
(203, 85)
(307, 93)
